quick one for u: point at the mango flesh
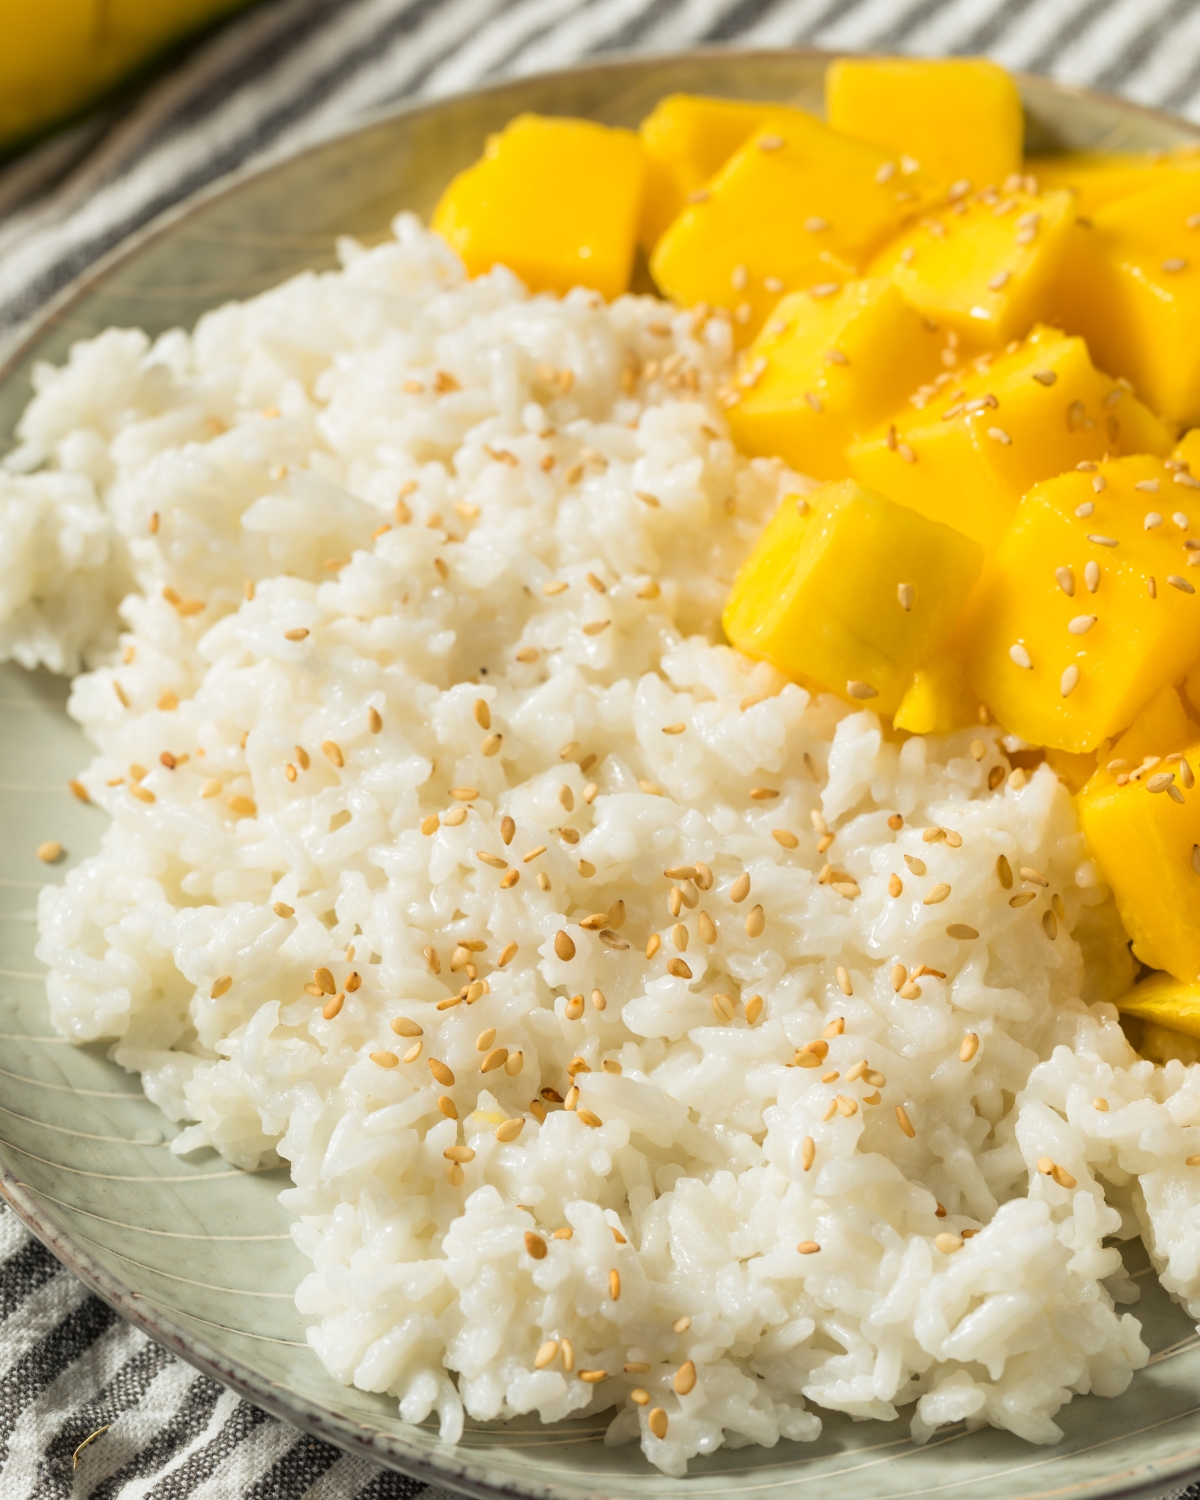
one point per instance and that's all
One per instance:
(850, 592)
(987, 266)
(1131, 286)
(555, 200)
(938, 700)
(1165, 1001)
(687, 139)
(797, 206)
(967, 456)
(1086, 611)
(960, 118)
(1160, 728)
(823, 370)
(61, 55)
(1098, 178)
(1144, 842)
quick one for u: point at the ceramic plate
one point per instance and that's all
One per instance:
(198, 1254)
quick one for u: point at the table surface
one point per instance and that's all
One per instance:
(287, 73)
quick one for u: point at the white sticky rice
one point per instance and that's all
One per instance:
(355, 699)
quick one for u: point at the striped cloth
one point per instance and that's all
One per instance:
(283, 75)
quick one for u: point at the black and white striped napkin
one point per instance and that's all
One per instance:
(284, 74)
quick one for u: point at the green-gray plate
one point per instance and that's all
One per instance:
(198, 1254)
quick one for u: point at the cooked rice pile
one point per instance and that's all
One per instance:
(452, 859)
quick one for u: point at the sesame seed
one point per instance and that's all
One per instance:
(784, 838)
(657, 1423)
(1181, 476)
(1102, 541)
(1180, 583)
(1081, 624)
(1000, 281)
(1174, 263)
(1085, 510)
(906, 593)
(1147, 486)
(937, 894)
(763, 794)
(1150, 520)
(884, 172)
(740, 888)
(948, 1244)
(961, 931)
(1069, 680)
(998, 435)
(685, 1379)
(824, 289)
(1091, 576)
(1066, 581)
(756, 921)
(905, 1124)
(1045, 377)
(1020, 656)
(1160, 782)
(754, 1008)
(771, 142)
(861, 690)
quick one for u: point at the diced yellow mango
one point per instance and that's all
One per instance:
(1074, 771)
(1131, 286)
(1026, 415)
(1144, 843)
(1086, 611)
(555, 200)
(687, 139)
(1163, 1045)
(793, 208)
(938, 700)
(961, 117)
(825, 369)
(1191, 689)
(1160, 728)
(988, 268)
(850, 592)
(1098, 178)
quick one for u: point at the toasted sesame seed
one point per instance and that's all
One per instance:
(961, 931)
(1020, 656)
(535, 1246)
(1191, 1161)
(740, 888)
(861, 690)
(1182, 584)
(998, 435)
(1085, 510)
(906, 593)
(756, 921)
(895, 885)
(763, 794)
(657, 1423)
(1160, 782)
(1069, 680)
(1102, 541)
(910, 991)
(1081, 624)
(1091, 576)
(685, 1378)
(1045, 377)
(905, 1124)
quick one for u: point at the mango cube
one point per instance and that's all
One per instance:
(1098, 178)
(850, 592)
(797, 206)
(1087, 610)
(1161, 727)
(687, 139)
(1143, 833)
(1132, 288)
(555, 200)
(987, 267)
(961, 118)
(938, 700)
(967, 457)
(1166, 1001)
(824, 370)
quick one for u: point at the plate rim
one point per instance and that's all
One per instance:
(448, 1467)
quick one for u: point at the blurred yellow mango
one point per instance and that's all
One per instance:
(59, 56)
